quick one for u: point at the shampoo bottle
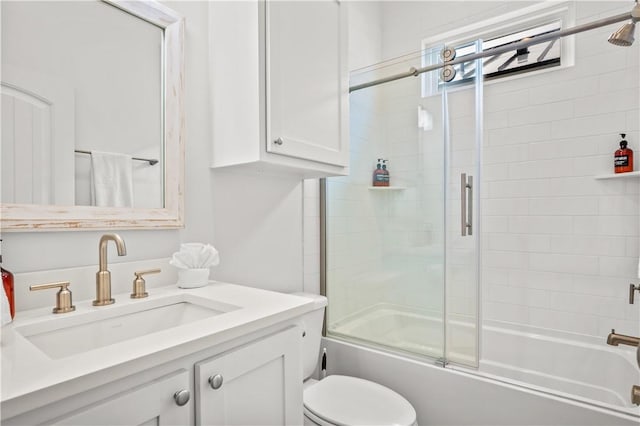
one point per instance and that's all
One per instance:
(7, 284)
(378, 174)
(623, 157)
(386, 178)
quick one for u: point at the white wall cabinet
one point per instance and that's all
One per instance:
(279, 89)
(261, 384)
(257, 384)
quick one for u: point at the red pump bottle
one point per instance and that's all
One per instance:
(623, 157)
(7, 284)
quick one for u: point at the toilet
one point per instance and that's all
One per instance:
(344, 400)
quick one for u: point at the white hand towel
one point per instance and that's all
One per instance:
(111, 179)
(6, 310)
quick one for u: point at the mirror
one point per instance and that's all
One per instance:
(82, 84)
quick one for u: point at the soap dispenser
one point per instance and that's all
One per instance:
(7, 284)
(378, 174)
(623, 157)
(386, 178)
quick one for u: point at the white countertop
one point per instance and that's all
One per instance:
(27, 370)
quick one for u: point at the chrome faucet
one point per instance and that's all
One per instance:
(617, 339)
(103, 276)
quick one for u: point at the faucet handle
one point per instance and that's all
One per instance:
(139, 283)
(63, 296)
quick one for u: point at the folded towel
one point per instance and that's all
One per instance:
(111, 179)
(195, 256)
(6, 310)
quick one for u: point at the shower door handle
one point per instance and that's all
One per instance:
(466, 205)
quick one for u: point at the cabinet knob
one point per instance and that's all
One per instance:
(216, 381)
(182, 397)
(278, 141)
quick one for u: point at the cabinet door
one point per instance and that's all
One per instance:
(257, 384)
(307, 80)
(149, 404)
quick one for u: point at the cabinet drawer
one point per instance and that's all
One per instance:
(152, 403)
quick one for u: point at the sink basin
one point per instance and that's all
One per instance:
(63, 337)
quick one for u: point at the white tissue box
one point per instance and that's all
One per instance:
(192, 278)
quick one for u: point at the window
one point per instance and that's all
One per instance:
(499, 32)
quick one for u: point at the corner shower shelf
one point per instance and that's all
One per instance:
(618, 175)
(387, 188)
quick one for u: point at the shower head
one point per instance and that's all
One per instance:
(625, 34)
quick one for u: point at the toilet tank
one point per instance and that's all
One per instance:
(312, 326)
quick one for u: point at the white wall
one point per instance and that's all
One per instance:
(235, 214)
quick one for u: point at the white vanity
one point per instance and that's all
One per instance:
(220, 354)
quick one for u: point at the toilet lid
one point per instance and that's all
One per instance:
(344, 400)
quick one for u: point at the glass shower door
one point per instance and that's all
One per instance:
(386, 247)
(462, 98)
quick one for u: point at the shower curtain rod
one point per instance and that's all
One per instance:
(414, 72)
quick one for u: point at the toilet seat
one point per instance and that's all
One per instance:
(344, 400)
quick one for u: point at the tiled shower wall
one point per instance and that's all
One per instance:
(559, 247)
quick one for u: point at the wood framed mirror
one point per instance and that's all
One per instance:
(59, 206)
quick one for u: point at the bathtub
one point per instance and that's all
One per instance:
(572, 369)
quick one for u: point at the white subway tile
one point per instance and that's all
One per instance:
(628, 205)
(541, 113)
(618, 101)
(633, 247)
(624, 267)
(519, 242)
(492, 172)
(566, 89)
(597, 285)
(633, 121)
(505, 206)
(495, 276)
(558, 167)
(506, 101)
(602, 124)
(541, 224)
(565, 148)
(520, 134)
(494, 224)
(540, 280)
(565, 206)
(588, 245)
(626, 78)
(505, 259)
(565, 321)
(504, 154)
(495, 120)
(615, 225)
(506, 312)
(585, 225)
(573, 264)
